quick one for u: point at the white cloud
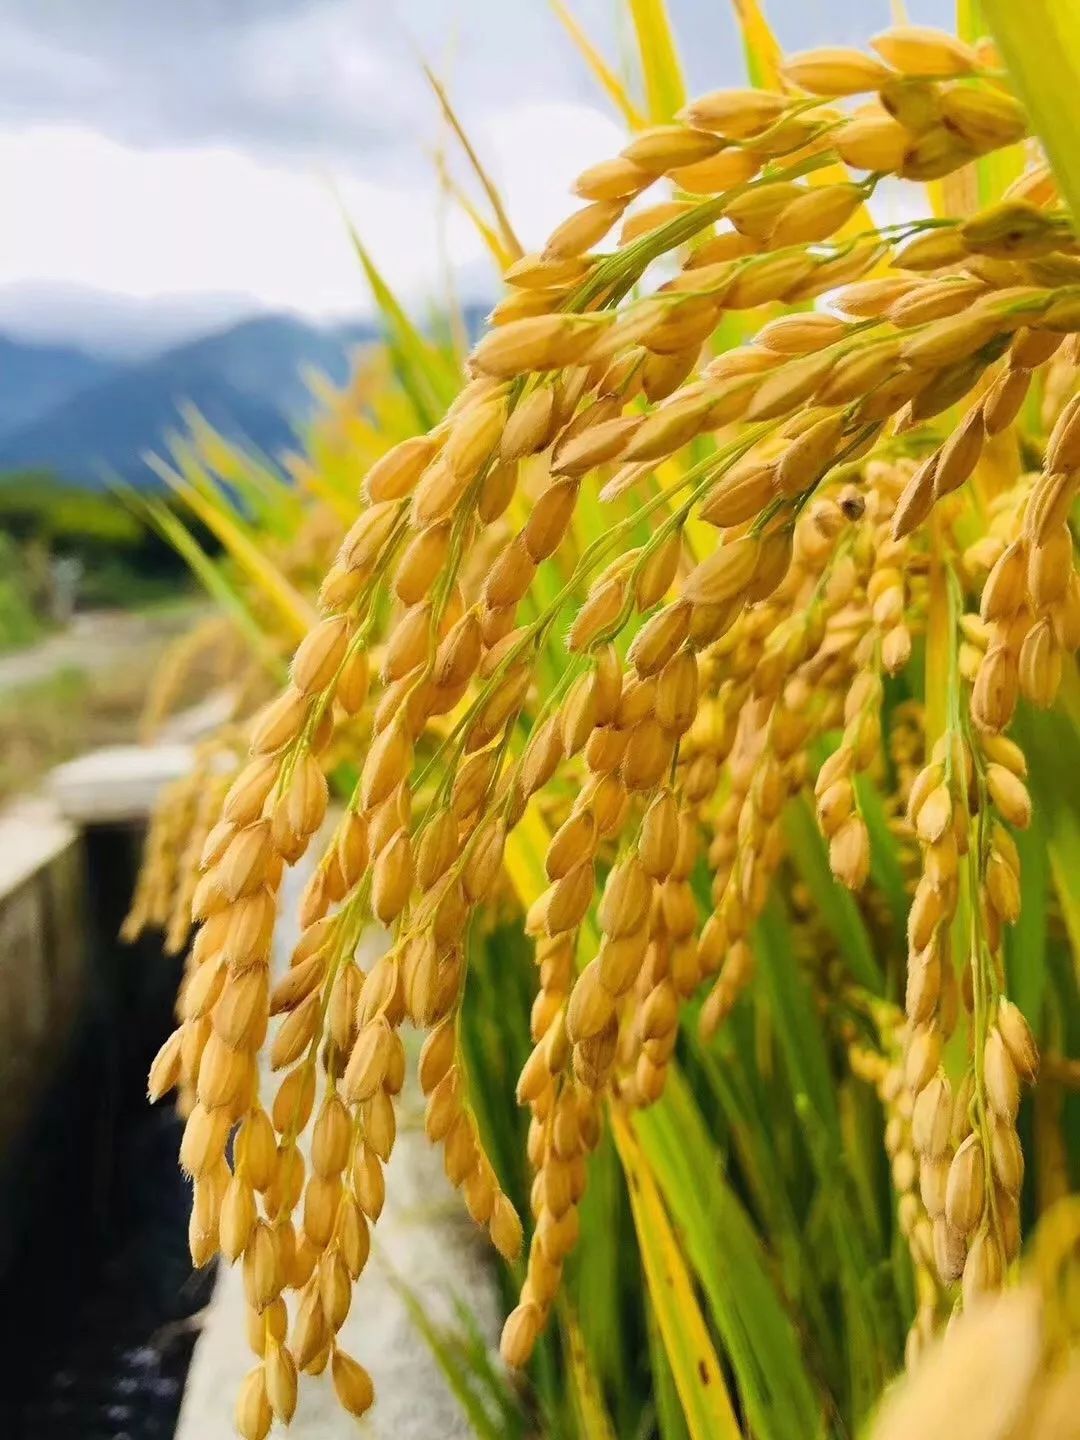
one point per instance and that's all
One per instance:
(537, 150)
(84, 209)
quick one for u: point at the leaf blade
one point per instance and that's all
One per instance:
(661, 68)
(696, 1370)
(609, 82)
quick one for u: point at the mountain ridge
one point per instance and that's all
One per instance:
(246, 378)
(34, 377)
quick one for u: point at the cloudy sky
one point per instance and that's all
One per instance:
(183, 159)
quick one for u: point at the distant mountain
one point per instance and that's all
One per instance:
(121, 328)
(35, 378)
(246, 380)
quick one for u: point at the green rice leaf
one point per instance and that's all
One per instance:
(1040, 43)
(428, 378)
(759, 1340)
(661, 68)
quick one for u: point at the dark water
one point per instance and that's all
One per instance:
(99, 1301)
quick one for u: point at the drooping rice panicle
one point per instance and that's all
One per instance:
(784, 539)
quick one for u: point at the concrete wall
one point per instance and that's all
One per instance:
(43, 953)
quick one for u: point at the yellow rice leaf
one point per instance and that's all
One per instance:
(489, 234)
(214, 580)
(700, 535)
(695, 1367)
(661, 68)
(969, 20)
(998, 468)
(428, 377)
(594, 1419)
(602, 71)
(506, 230)
(1064, 851)
(956, 194)
(308, 477)
(299, 616)
(763, 52)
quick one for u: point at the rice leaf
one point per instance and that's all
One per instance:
(609, 82)
(994, 172)
(296, 613)
(696, 1370)
(588, 1402)
(670, 1420)
(661, 68)
(489, 234)
(885, 870)
(1051, 742)
(526, 847)
(484, 1396)
(511, 244)
(430, 381)
(874, 1342)
(277, 505)
(1040, 43)
(759, 1341)
(760, 45)
(1026, 941)
(215, 582)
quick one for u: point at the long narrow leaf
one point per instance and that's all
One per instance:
(1040, 42)
(210, 576)
(696, 1370)
(588, 1402)
(874, 1337)
(489, 234)
(602, 71)
(510, 241)
(777, 1394)
(430, 380)
(295, 611)
(763, 52)
(1052, 742)
(661, 69)
(670, 1420)
(994, 172)
(467, 1376)
(838, 909)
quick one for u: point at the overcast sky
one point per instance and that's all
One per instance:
(191, 148)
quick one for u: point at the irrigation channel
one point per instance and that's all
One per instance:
(101, 1305)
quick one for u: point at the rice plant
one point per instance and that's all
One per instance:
(698, 684)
